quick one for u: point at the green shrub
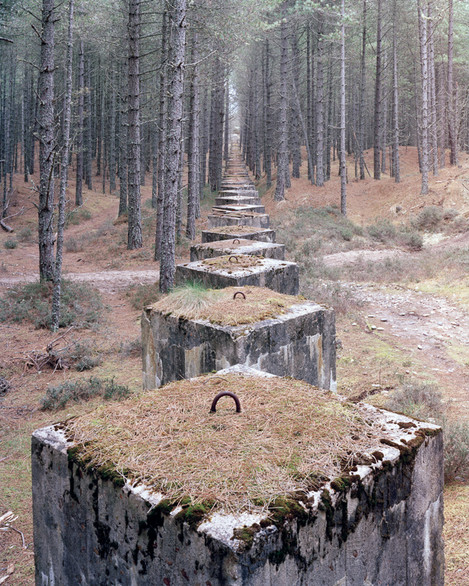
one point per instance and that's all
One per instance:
(84, 356)
(10, 244)
(82, 390)
(131, 348)
(25, 234)
(416, 399)
(73, 245)
(411, 239)
(382, 231)
(76, 216)
(428, 219)
(143, 295)
(80, 305)
(456, 446)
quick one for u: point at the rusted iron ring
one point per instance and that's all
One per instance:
(239, 293)
(236, 241)
(232, 256)
(213, 408)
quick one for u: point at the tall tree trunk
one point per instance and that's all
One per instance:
(112, 137)
(268, 118)
(134, 235)
(162, 122)
(423, 37)
(452, 131)
(396, 170)
(123, 142)
(173, 144)
(343, 168)
(46, 144)
(378, 132)
(193, 188)
(88, 138)
(282, 154)
(295, 126)
(81, 110)
(56, 293)
(320, 107)
(432, 89)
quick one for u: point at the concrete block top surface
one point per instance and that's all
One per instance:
(236, 308)
(237, 246)
(292, 451)
(237, 265)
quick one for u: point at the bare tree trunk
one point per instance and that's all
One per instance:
(81, 109)
(452, 131)
(112, 137)
(123, 143)
(88, 154)
(395, 91)
(320, 108)
(343, 168)
(268, 118)
(173, 144)
(162, 121)
(432, 89)
(46, 144)
(295, 126)
(282, 154)
(423, 29)
(134, 235)
(378, 97)
(56, 293)
(193, 188)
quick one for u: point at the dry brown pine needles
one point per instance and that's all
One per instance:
(219, 307)
(287, 435)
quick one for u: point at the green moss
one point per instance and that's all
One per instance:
(193, 515)
(342, 483)
(285, 509)
(246, 535)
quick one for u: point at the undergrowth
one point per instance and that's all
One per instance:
(142, 295)
(80, 305)
(423, 401)
(82, 390)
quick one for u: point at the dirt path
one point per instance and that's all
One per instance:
(106, 281)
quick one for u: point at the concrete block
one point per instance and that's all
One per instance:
(278, 275)
(298, 343)
(217, 219)
(259, 209)
(380, 522)
(245, 232)
(237, 200)
(237, 246)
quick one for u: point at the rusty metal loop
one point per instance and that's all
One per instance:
(239, 293)
(232, 256)
(213, 408)
(236, 241)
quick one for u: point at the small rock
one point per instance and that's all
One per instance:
(354, 324)
(384, 319)
(373, 327)
(370, 316)
(380, 329)
(419, 347)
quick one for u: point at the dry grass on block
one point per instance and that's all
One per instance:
(219, 307)
(232, 262)
(236, 230)
(287, 435)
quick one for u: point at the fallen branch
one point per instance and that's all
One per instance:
(6, 227)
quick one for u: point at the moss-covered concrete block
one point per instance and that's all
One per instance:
(240, 232)
(300, 342)
(237, 246)
(241, 270)
(379, 521)
(258, 208)
(237, 200)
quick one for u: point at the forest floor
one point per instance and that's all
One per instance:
(402, 311)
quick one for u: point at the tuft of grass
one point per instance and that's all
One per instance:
(25, 234)
(417, 399)
(84, 356)
(77, 216)
(382, 231)
(58, 397)
(80, 305)
(10, 244)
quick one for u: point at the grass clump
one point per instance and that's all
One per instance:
(80, 305)
(58, 397)
(286, 431)
(142, 295)
(84, 356)
(25, 234)
(218, 306)
(424, 401)
(76, 216)
(10, 244)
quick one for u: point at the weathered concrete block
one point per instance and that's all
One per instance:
(299, 342)
(237, 246)
(259, 209)
(217, 219)
(242, 184)
(379, 522)
(243, 200)
(241, 270)
(238, 192)
(246, 232)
